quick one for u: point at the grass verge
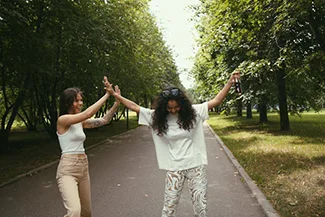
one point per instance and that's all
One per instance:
(288, 167)
(30, 150)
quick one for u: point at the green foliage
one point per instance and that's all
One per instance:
(47, 46)
(262, 38)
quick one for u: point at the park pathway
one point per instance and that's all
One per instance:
(126, 182)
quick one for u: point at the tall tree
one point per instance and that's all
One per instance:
(268, 40)
(48, 45)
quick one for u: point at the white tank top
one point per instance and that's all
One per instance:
(72, 141)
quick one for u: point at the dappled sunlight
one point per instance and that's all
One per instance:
(280, 173)
(309, 128)
(264, 145)
(265, 142)
(308, 187)
(288, 166)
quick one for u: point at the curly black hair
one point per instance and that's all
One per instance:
(186, 114)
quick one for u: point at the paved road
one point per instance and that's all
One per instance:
(126, 182)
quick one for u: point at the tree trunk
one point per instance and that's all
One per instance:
(145, 100)
(4, 141)
(6, 126)
(239, 108)
(282, 95)
(263, 112)
(249, 113)
(5, 131)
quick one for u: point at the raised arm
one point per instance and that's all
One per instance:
(97, 122)
(65, 121)
(217, 100)
(128, 103)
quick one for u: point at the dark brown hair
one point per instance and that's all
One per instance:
(67, 98)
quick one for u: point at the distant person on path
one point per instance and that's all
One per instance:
(72, 173)
(177, 131)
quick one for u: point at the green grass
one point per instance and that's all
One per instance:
(289, 167)
(30, 150)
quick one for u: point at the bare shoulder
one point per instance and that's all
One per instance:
(61, 119)
(61, 124)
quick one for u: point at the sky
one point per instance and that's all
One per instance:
(173, 19)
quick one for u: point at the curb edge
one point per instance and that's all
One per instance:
(256, 192)
(34, 171)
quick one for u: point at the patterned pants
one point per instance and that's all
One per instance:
(197, 184)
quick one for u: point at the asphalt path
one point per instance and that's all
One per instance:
(126, 182)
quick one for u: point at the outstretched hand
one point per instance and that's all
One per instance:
(108, 86)
(234, 75)
(118, 92)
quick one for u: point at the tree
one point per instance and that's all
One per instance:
(268, 40)
(48, 45)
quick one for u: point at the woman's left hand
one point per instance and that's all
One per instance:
(118, 92)
(234, 75)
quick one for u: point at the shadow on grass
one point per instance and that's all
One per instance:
(270, 165)
(288, 181)
(307, 131)
(275, 161)
(292, 181)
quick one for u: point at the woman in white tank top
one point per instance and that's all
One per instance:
(72, 173)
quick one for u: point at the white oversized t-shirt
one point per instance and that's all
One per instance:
(179, 149)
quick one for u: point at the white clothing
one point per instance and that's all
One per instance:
(72, 141)
(179, 149)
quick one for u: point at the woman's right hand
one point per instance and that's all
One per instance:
(118, 97)
(108, 86)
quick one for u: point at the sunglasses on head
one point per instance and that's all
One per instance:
(171, 92)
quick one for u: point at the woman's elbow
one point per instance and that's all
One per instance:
(213, 103)
(135, 108)
(88, 114)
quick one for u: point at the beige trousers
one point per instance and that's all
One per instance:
(74, 184)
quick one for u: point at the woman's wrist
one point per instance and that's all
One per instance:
(115, 95)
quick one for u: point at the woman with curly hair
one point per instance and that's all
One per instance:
(177, 131)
